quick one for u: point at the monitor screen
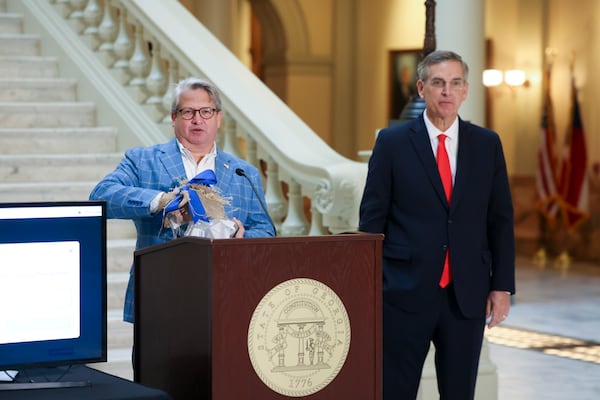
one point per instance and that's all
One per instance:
(52, 284)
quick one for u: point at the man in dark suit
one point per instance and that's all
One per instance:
(448, 252)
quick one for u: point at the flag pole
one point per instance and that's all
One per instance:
(574, 185)
(546, 182)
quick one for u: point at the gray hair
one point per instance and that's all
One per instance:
(436, 57)
(193, 84)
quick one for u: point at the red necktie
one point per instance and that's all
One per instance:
(443, 164)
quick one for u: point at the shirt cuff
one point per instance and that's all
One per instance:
(155, 202)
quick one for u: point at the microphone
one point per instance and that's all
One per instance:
(241, 172)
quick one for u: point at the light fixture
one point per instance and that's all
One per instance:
(492, 77)
(512, 77)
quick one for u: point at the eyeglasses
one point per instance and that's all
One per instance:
(190, 113)
(455, 84)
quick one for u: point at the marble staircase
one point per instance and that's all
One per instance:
(52, 149)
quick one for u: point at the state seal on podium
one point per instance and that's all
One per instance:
(299, 337)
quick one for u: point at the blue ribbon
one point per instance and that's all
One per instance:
(197, 211)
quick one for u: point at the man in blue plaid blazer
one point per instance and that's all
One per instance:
(143, 182)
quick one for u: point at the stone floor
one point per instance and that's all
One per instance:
(565, 305)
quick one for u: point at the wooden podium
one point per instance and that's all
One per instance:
(203, 310)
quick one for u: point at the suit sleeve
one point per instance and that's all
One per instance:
(257, 223)
(377, 193)
(123, 189)
(245, 204)
(501, 227)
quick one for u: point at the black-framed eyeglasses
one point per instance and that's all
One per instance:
(204, 112)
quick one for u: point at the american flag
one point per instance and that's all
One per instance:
(546, 177)
(574, 183)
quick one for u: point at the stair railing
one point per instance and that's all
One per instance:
(145, 46)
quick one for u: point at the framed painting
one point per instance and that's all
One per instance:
(402, 79)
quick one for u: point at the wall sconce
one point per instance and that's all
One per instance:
(512, 77)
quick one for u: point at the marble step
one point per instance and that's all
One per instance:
(56, 167)
(116, 284)
(118, 266)
(120, 255)
(58, 140)
(119, 344)
(45, 191)
(11, 23)
(37, 89)
(47, 115)
(120, 333)
(121, 229)
(19, 44)
(28, 67)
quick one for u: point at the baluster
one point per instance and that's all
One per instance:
(92, 15)
(77, 7)
(316, 223)
(251, 152)
(139, 62)
(230, 144)
(295, 223)
(123, 46)
(220, 137)
(156, 81)
(173, 68)
(107, 33)
(76, 15)
(242, 141)
(64, 7)
(276, 203)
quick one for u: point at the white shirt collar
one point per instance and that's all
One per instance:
(433, 131)
(189, 162)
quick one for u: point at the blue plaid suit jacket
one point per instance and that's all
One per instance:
(144, 172)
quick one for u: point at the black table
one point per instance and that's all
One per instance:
(90, 384)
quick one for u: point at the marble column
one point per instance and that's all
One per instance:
(220, 17)
(460, 28)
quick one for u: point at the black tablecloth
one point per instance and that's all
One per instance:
(97, 386)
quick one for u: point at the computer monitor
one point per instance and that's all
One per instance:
(52, 284)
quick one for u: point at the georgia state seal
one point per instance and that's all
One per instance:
(299, 337)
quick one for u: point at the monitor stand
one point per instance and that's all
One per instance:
(41, 385)
(40, 378)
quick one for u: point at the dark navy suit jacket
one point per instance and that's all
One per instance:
(404, 199)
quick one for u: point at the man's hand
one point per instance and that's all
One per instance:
(165, 199)
(241, 230)
(498, 304)
(181, 214)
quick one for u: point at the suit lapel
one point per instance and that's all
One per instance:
(172, 163)
(462, 158)
(422, 145)
(223, 168)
